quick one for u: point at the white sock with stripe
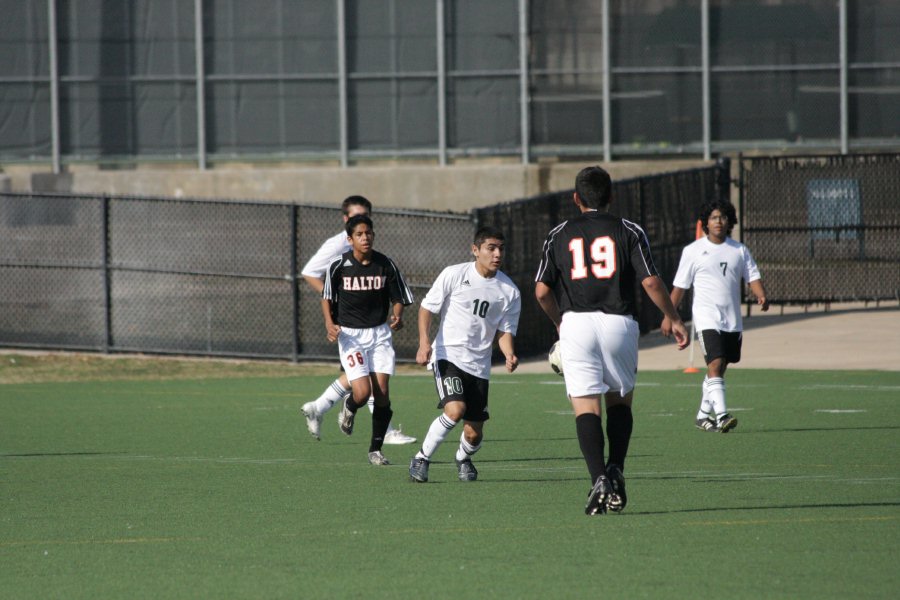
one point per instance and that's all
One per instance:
(705, 405)
(437, 433)
(715, 389)
(465, 450)
(330, 396)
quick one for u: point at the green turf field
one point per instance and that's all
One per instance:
(213, 488)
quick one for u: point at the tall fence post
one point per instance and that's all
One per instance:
(107, 280)
(295, 289)
(723, 178)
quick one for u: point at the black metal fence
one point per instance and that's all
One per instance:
(823, 228)
(665, 205)
(189, 276)
(160, 275)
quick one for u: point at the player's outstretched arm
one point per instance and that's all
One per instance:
(331, 329)
(658, 293)
(423, 355)
(545, 297)
(396, 318)
(507, 343)
(759, 290)
(315, 283)
(676, 296)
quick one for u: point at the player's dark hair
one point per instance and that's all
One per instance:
(355, 201)
(487, 233)
(594, 186)
(352, 222)
(724, 207)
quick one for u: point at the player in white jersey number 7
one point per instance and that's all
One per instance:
(714, 265)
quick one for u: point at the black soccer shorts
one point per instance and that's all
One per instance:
(721, 344)
(454, 384)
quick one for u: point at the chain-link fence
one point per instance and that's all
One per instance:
(664, 205)
(218, 278)
(188, 276)
(823, 228)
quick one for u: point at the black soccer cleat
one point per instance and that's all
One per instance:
(418, 469)
(598, 497)
(617, 499)
(707, 424)
(726, 423)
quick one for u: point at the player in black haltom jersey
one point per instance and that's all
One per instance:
(585, 284)
(362, 303)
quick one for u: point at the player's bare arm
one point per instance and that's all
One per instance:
(395, 321)
(423, 355)
(315, 283)
(677, 295)
(759, 291)
(507, 344)
(331, 328)
(658, 293)
(545, 297)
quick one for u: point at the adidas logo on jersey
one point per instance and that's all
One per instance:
(348, 263)
(466, 282)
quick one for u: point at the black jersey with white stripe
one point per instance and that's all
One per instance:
(363, 294)
(592, 262)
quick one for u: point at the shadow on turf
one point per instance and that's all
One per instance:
(804, 429)
(769, 507)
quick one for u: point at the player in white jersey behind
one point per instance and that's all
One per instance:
(314, 274)
(714, 265)
(476, 303)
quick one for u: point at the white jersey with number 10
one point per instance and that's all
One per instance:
(472, 310)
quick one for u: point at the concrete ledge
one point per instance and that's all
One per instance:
(455, 188)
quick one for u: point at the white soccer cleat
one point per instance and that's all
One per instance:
(395, 437)
(345, 419)
(378, 459)
(313, 419)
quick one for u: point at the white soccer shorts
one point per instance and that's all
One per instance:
(365, 351)
(599, 353)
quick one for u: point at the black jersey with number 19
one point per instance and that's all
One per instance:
(592, 262)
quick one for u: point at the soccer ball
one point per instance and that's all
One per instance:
(555, 358)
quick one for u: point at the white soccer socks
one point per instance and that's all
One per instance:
(332, 394)
(437, 433)
(465, 450)
(706, 407)
(715, 390)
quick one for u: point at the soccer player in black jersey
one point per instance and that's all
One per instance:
(362, 303)
(585, 285)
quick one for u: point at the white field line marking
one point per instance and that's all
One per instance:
(840, 411)
(849, 386)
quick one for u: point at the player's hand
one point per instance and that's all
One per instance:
(332, 331)
(763, 302)
(682, 337)
(666, 327)
(396, 323)
(511, 363)
(423, 356)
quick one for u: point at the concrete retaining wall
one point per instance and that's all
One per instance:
(455, 188)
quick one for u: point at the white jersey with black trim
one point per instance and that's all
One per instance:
(472, 310)
(327, 252)
(715, 272)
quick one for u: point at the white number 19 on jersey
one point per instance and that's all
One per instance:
(603, 255)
